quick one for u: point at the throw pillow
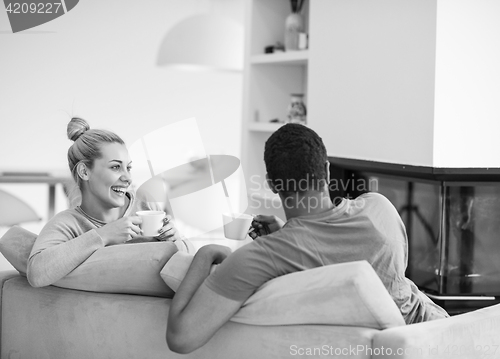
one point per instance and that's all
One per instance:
(125, 268)
(128, 268)
(339, 294)
(16, 246)
(176, 268)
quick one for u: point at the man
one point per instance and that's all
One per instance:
(316, 233)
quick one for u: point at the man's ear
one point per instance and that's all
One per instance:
(81, 170)
(270, 183)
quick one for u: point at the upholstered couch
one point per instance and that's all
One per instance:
(334, 311)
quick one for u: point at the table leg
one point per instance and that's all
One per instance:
(52, 200)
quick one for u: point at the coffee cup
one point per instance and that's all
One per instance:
(152, 222)
(236, 225)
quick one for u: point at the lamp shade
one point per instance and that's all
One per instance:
(15, 211)
(204, 41)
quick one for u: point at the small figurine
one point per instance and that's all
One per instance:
(297, 110)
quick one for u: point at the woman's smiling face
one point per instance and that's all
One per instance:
(109, 178)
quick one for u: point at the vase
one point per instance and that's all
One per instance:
(294, 25)
(297, 111)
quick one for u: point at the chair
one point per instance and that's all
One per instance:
(14, 211)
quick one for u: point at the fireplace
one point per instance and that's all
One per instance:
(452, 217)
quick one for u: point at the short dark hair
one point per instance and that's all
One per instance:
(295, 158)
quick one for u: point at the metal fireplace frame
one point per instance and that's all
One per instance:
(464, 178)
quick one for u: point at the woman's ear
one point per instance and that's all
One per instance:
(81, 170)
(271, 185)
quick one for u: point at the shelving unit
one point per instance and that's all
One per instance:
(281, 58)
(269, 81)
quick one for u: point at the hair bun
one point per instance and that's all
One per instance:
(77, 127)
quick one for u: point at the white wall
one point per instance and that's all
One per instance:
(467, 111)
(407, 81)
(98, 62)
(371, 78)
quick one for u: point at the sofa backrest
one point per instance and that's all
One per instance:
(348, 294)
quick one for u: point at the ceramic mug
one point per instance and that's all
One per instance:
(152, 222)
(236, 225)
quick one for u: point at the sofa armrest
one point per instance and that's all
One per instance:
(4, 276)
(7, 274)
(471, 335)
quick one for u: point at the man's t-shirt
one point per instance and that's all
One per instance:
(367, 228)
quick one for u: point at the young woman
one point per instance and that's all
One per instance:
(100, 165)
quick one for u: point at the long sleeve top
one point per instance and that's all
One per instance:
(66, 241)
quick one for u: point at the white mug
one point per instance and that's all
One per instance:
(236, 225)
(152, 222)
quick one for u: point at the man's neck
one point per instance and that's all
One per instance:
(306, 203)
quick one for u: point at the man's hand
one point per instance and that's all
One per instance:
(263, 225)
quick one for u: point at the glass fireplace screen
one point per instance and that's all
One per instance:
(453, 230)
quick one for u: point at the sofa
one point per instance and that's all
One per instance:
(338, 311)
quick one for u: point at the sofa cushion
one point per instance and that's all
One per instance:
(125, 268)
(16, 246)
(128, 268)
(342, 294)
(176, 269)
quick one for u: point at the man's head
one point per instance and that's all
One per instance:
(295, 159)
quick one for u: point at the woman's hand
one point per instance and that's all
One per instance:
(168, 231)
(120, 231)
(263, 225)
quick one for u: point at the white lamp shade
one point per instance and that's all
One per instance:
(15, 211)
(204, 41)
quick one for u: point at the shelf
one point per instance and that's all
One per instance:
(264, 126)
(269, 81)
(281, 58)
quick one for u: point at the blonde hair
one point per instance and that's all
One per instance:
(87, 144)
